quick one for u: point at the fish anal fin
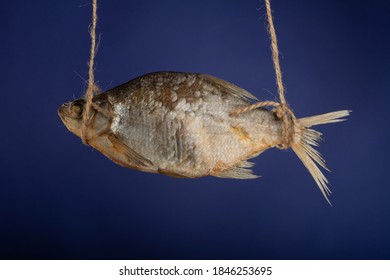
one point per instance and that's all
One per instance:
(171, 173)
(132, 156)
(240, 171)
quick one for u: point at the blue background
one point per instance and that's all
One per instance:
(60, 199)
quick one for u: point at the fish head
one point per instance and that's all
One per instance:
(71, 114)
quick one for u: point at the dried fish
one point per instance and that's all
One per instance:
(181, 124)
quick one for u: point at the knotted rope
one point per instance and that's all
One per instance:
(281, 109)
(92, 87)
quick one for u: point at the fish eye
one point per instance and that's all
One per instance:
(76, 110)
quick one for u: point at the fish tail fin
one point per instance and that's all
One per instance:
(307, 139)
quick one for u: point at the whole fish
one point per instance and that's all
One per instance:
(181, 124)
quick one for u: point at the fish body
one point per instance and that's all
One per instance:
(181, 124)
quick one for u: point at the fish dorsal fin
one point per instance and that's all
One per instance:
(229, 88)
(240, 171)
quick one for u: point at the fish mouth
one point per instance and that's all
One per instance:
(63, 111)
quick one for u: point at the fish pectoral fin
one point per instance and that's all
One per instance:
(240, 171)
(131, 155)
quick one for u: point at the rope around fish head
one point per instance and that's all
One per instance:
(281, 109)
(92, 89)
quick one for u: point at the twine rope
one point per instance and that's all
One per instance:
(281, 109)
(275, 53)
(92, 87)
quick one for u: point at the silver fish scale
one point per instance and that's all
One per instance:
(181, 122)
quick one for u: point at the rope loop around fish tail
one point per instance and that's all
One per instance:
(254, 106)
(281, 109)
(92, 89)
(290, 128)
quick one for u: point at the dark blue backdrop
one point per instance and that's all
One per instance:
(60, 199)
